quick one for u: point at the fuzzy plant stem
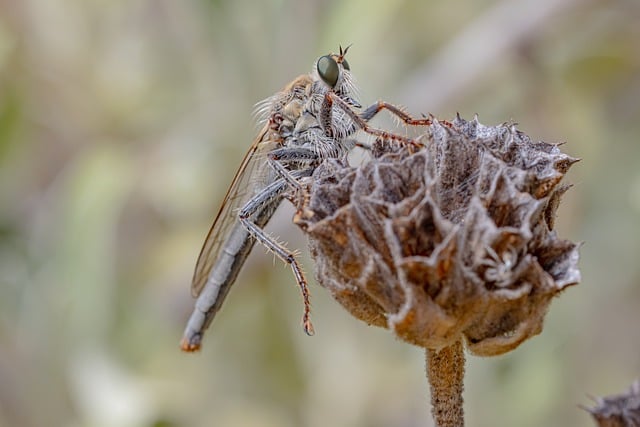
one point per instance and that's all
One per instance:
(445, 372)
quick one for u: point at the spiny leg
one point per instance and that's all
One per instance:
(273, 245)
(277, 159)
(398, 112)
(361, 123)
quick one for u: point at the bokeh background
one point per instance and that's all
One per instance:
(122, 123)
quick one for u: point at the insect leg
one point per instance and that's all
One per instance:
(277, 159)
(245, 216)
(398, 112)
(361, 122)
(228, 263)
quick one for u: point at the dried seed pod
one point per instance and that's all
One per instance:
(618, 411)
(453, 240)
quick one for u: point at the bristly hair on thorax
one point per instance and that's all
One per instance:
(299, 108)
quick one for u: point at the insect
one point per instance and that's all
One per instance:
(313, 118)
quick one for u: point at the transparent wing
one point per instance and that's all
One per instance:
(250, 175)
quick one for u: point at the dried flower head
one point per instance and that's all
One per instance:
(618, 411)
(449, 241)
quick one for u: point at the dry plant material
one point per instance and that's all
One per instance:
(618, 411)
(447, 243)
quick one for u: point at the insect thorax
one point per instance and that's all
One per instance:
(295, 118)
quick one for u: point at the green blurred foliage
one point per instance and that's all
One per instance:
(121, 124)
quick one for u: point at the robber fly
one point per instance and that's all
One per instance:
(313, 118)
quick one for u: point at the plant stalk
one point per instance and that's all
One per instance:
(445, 372)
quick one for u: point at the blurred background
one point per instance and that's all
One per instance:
(121, 125)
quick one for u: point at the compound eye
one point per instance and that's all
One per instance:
(328, 70)
(345, 65)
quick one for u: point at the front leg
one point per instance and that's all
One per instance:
(382, 137)
(399, 114)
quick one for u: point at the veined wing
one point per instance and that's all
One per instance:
(250, 175)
